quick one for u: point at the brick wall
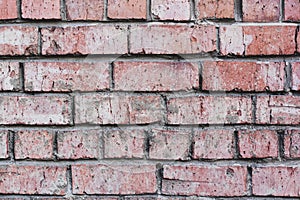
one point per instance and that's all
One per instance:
(150, 99)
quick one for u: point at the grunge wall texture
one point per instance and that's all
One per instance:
(150, 99)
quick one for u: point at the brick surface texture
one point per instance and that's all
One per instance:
(150, 99)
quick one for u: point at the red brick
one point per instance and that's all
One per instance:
(117, 109)
(10, 76)
(35, 110)
(110, 39)
(18, 40)
(209, 110)
(8, 9)
(33, 180)
(276, 181)
(171, 9)
(169, 144)
(66, 76)
(292, 144)
(41, 9)
(292, 10)
(261, 10)
(172, 39)
(124, 143)
(156, 76)
(245, 76)
(130, 9)
(213, 144)
(205, 180)
(34, 144)
(278, 110)
(85, 9)
(257, 40)
(77, 144)
(296, 76)
(4, 148)
(215, 9)
(258, 144)
(298, 41)
(114, 179)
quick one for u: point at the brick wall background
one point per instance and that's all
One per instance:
(150, 99)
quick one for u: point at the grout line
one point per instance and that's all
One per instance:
(254, 108)
(22, 77)
(19, 11)
(280, 135)
(238, 10)
(63, 10)
(281, 11)
(105, 13)
(149, 11)
(249, 180)
(159, 176)
(236, 145)
(11, 135)
(193, 8)
(288, 77)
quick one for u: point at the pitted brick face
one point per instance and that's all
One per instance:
(149, 99)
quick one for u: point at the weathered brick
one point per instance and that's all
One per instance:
(85, 9)
(66, 76)
(169, 144)
(171, 9)
(205, 180)
(35, 110)
(209, 110)
(261, 10)
(245, 76)
(276, 181)
(10, 76)
(296, 76)
(4, 148)
(292, 10)
(124, 143)
(278, 109)
(77, 144)
(213, 144)
(257, 40)
(156, 76)
(34, 144)
(130, 9)
(18, 40)
(8, 9)
(33, 180)
(215, 9)
(114, 179)
(41, 9)
(258, 143)
(292, 144)
(110, 39)
(117, 109)
(172, 39)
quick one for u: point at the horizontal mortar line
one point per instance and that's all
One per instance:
(237, 127)
(168, 94)
(149, 57)
(138, 162)
(47, 22)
